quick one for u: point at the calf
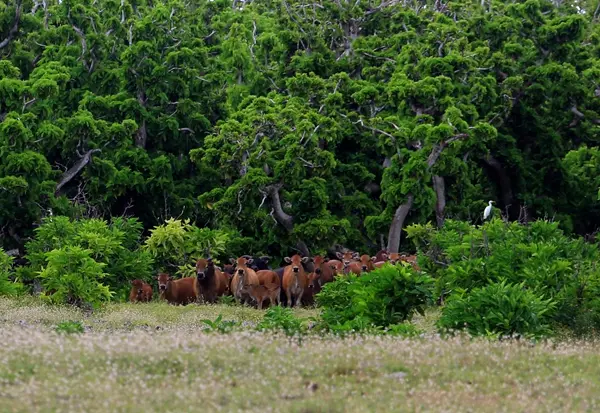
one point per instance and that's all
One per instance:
(183, 291)
(260, 293)
(268, 277)
(243, 277)
(212, 283)
(140, 291)
(294, 279)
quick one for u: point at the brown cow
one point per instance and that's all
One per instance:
(411, 259)
(294, 279)
(140, 291)
(381, 256)
(243, 276)
(347, 259)
(268, 277)
(336, 266)
(182, 291)
(260, 293)
(212, 283)
(325, 270)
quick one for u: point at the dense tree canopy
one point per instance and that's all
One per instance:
(301, 125)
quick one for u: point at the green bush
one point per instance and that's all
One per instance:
(7, 286)
(462, 257)
(499, 310)
(115, 244)
(72, 276)
(177, 245)
(382, 298)
(279, 318)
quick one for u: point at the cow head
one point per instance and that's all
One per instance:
(242, 264)
(259, 263)
(318, 261)
(347, 257)
(314, 279)
(204, 268)
(336, 266)
(394, 258)
(296, 262)
(366, 263)
(382, 255)
(163, 281)
(138, 284)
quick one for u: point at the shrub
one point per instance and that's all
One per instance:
(115, 245)
(499, 309)
(538, 256)
(176, 245)
(7, 286)
(72, 276)
(384, 297)
(283, 319)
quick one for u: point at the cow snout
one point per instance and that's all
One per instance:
(201, 275)
(364, 268)
(295, 269)
(317, 271)
(162, 287)
(240, 271)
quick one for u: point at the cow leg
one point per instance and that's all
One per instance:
(288, 295)
(299, 299)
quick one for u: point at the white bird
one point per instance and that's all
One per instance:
(487, 211)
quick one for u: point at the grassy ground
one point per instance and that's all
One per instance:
(155, 358)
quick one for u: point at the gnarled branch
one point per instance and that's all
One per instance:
(76, 169)
(15, 29)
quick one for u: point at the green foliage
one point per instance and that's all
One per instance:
(72, 276)
(381, 298)
(7, 286)
(220, 325)
(69, 327)
(279, 318)
(538, 256)
(177, 245)
(115, 245)
(499, 310)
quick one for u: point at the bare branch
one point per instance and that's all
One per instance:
(15, 29)
(76, 169)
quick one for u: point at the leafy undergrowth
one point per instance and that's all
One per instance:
(179, 368)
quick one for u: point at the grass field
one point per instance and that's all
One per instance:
(156, 358)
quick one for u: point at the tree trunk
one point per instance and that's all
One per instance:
(439, 186)
(141, 136)
(397, 224)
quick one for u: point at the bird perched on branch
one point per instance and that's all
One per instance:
(487, 211)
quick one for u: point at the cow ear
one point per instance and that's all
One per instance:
(232, 261)
(249, 260)
(326, 259)
(339, 255)
(373, 259)
(265, 258)
(355, 255)
(287, 259)
(306, 259)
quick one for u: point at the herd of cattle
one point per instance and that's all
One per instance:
(250, 279)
